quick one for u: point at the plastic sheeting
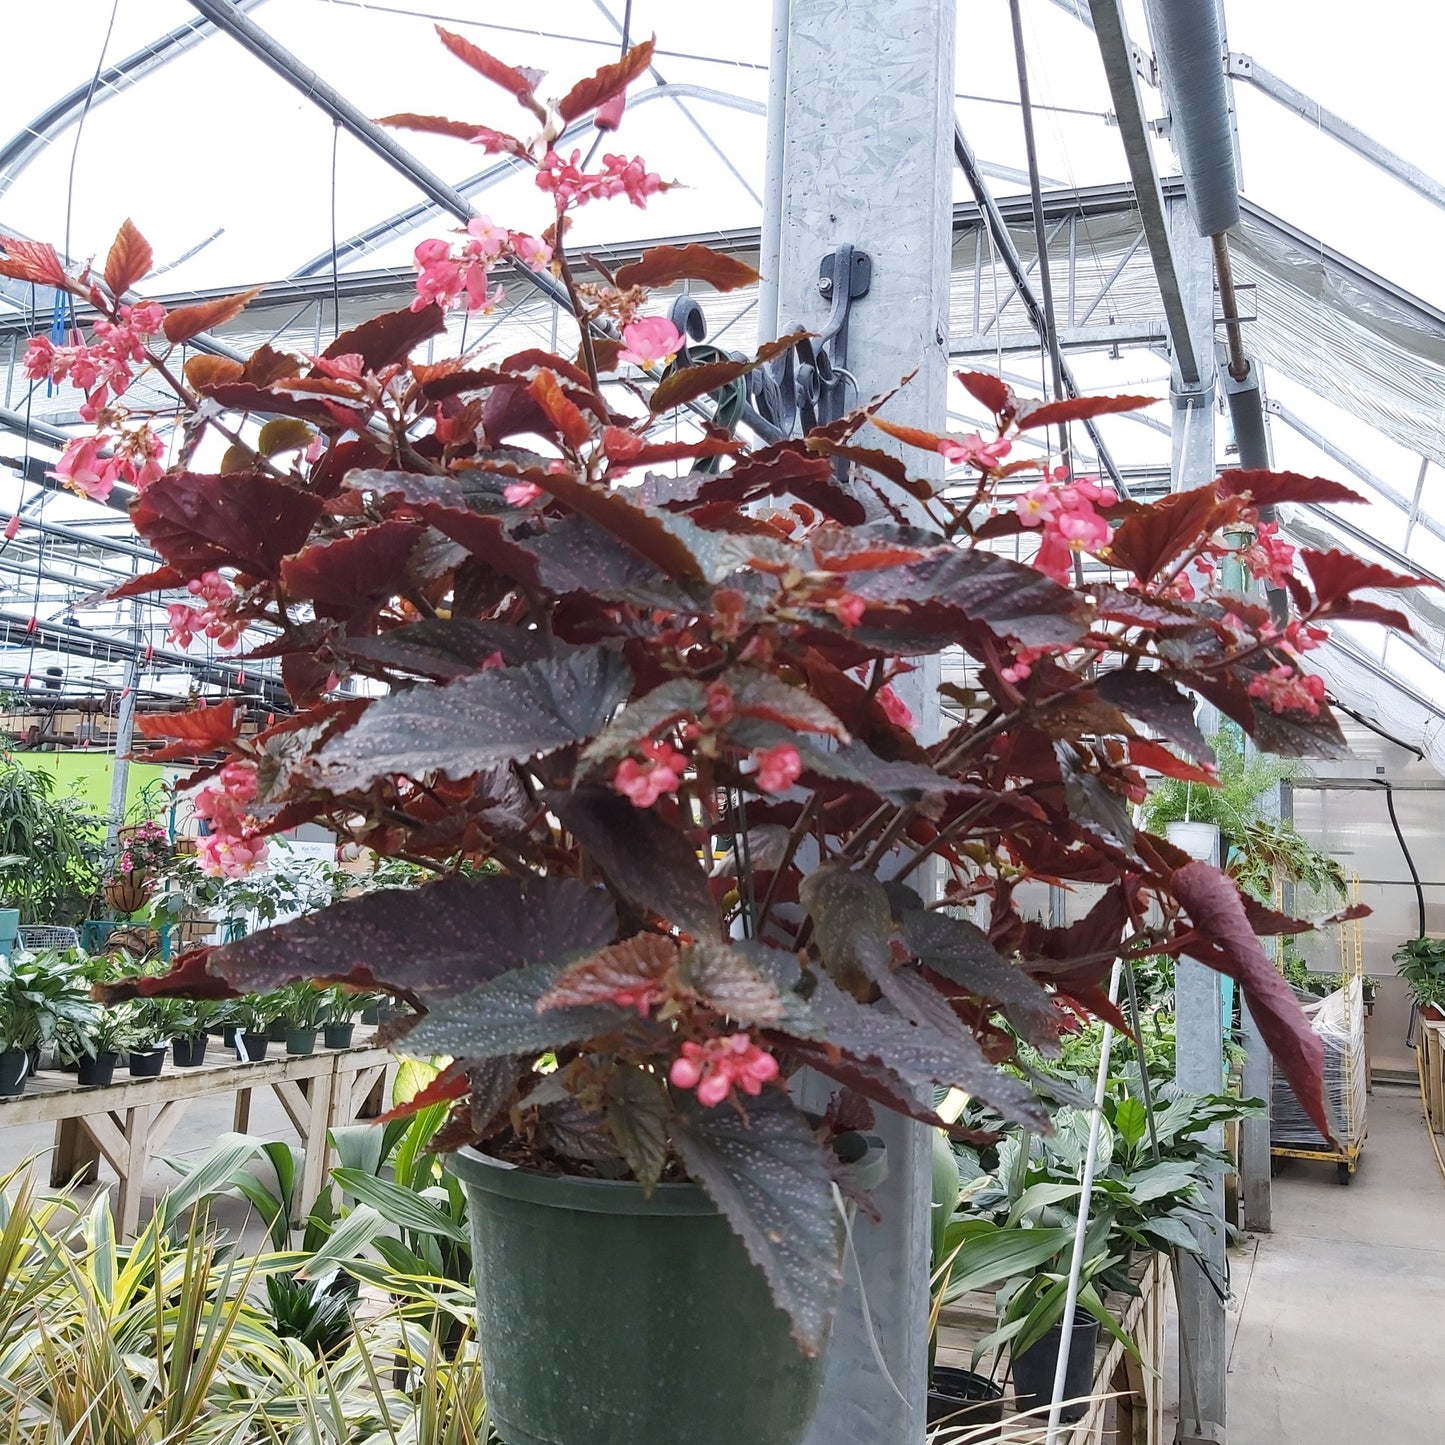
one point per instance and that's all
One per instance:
(1339, 1022)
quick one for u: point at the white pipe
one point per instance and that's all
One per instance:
(1086, 1196)
(771, 240)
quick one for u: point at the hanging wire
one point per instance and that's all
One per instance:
(335, 277)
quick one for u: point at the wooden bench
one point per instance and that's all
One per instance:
(128, 1121)
(1128, 1406)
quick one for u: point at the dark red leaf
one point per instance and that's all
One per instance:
(910, 435)
(429, 944)
(198, 521)
(163, 579)
(1269, 489)
(690, 382)
(1356, 609)
(494, 142)
(611, 80)
(1078, 408)
(187, 977)
(451, 1083)
(1229, 944)
(390, 338)
(988, 389)
(200, 730)
(1336, 574)
(129, 260)
(866, 549)
(564, 415)
(32, 261)
(631, 964)
(204, 371)
(186, 322)
(1146, 541)
(664, 265)
(355, 572)
(1155, 701)
(517, 81)
(1146, 754)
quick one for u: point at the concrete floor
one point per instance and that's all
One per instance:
(1337, 1323)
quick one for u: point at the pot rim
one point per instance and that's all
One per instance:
(863, 1154)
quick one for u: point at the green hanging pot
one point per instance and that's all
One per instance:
(612, 1318)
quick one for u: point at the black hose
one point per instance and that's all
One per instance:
(1405, 849)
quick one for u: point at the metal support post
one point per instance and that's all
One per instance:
(867, 162)
(1199, 1029)
(124, 736)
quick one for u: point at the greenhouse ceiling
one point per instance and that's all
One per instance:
(1341, 283)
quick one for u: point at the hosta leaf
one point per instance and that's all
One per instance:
(464, 727)
(638, 1110)
(500, 1017)
(429, 943)
(645, 859)
(767, 1176)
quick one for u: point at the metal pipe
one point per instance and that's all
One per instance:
(1190, 46)
(771, 240)
(1229, 306)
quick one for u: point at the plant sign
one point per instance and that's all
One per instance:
(649, 681)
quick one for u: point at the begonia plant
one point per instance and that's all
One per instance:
(643, 669)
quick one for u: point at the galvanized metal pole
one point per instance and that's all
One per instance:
(867, 161)
(124, 736)
(1199, 1029)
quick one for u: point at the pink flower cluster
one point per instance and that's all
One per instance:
(650, 340)
(450, 273)
(778, 768)
(620, 176)
(211, 620)
(104, 368)
(715, 1068)
(1069, 522)
(1283, 689)
(93, 465)
(1269, 557)
(645, 782)
(232, 847)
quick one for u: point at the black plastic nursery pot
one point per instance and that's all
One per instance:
(1033, 1370)
(147, 1063)
(301, 1041)
(277, 1031)
(959, 1399)
(608, 1317)
(254, 1046)
(98, 1071)
(14, 1070)
(189, 1053)
(338, 1036)
(229, 1033)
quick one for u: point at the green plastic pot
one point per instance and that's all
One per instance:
(301, 1041)
(338, 1036)
(611, 1318)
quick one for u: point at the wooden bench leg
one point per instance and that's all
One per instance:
(132, 1177)
(241, 1115)
(75, 1157)
(316, 1144)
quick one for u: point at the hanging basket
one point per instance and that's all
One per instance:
(128, 893)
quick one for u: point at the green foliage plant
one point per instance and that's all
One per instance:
(50, 848)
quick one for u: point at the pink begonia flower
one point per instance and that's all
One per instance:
(489, 238)
(848, 608)
(439, 278)
(719, 700)
(521, 494)
(894, 708)
(145, 318)
(185, 622)
(644, 783)
(620, 176)
(972, 448)
(82, 468)
(715, 1068)
(1065, 513)
(649, 341)
(531, 251)
(1269, 557)
(350, 367)
(232, 847)
(211, 587)
(1285, 690)
(778, 768)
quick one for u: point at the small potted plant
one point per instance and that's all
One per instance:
(303, 1010)
(150, 1024)
(1421, 964)
(338, 1022)
(37, 996)
(104, 1037)
(1369, 988)
(254, 1016)
(185, 1022)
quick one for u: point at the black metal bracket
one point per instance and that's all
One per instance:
(808, 384)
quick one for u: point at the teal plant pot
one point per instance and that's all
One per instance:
(611, 1318)
(338, 1036)
(301, 1041)
(9, 930)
